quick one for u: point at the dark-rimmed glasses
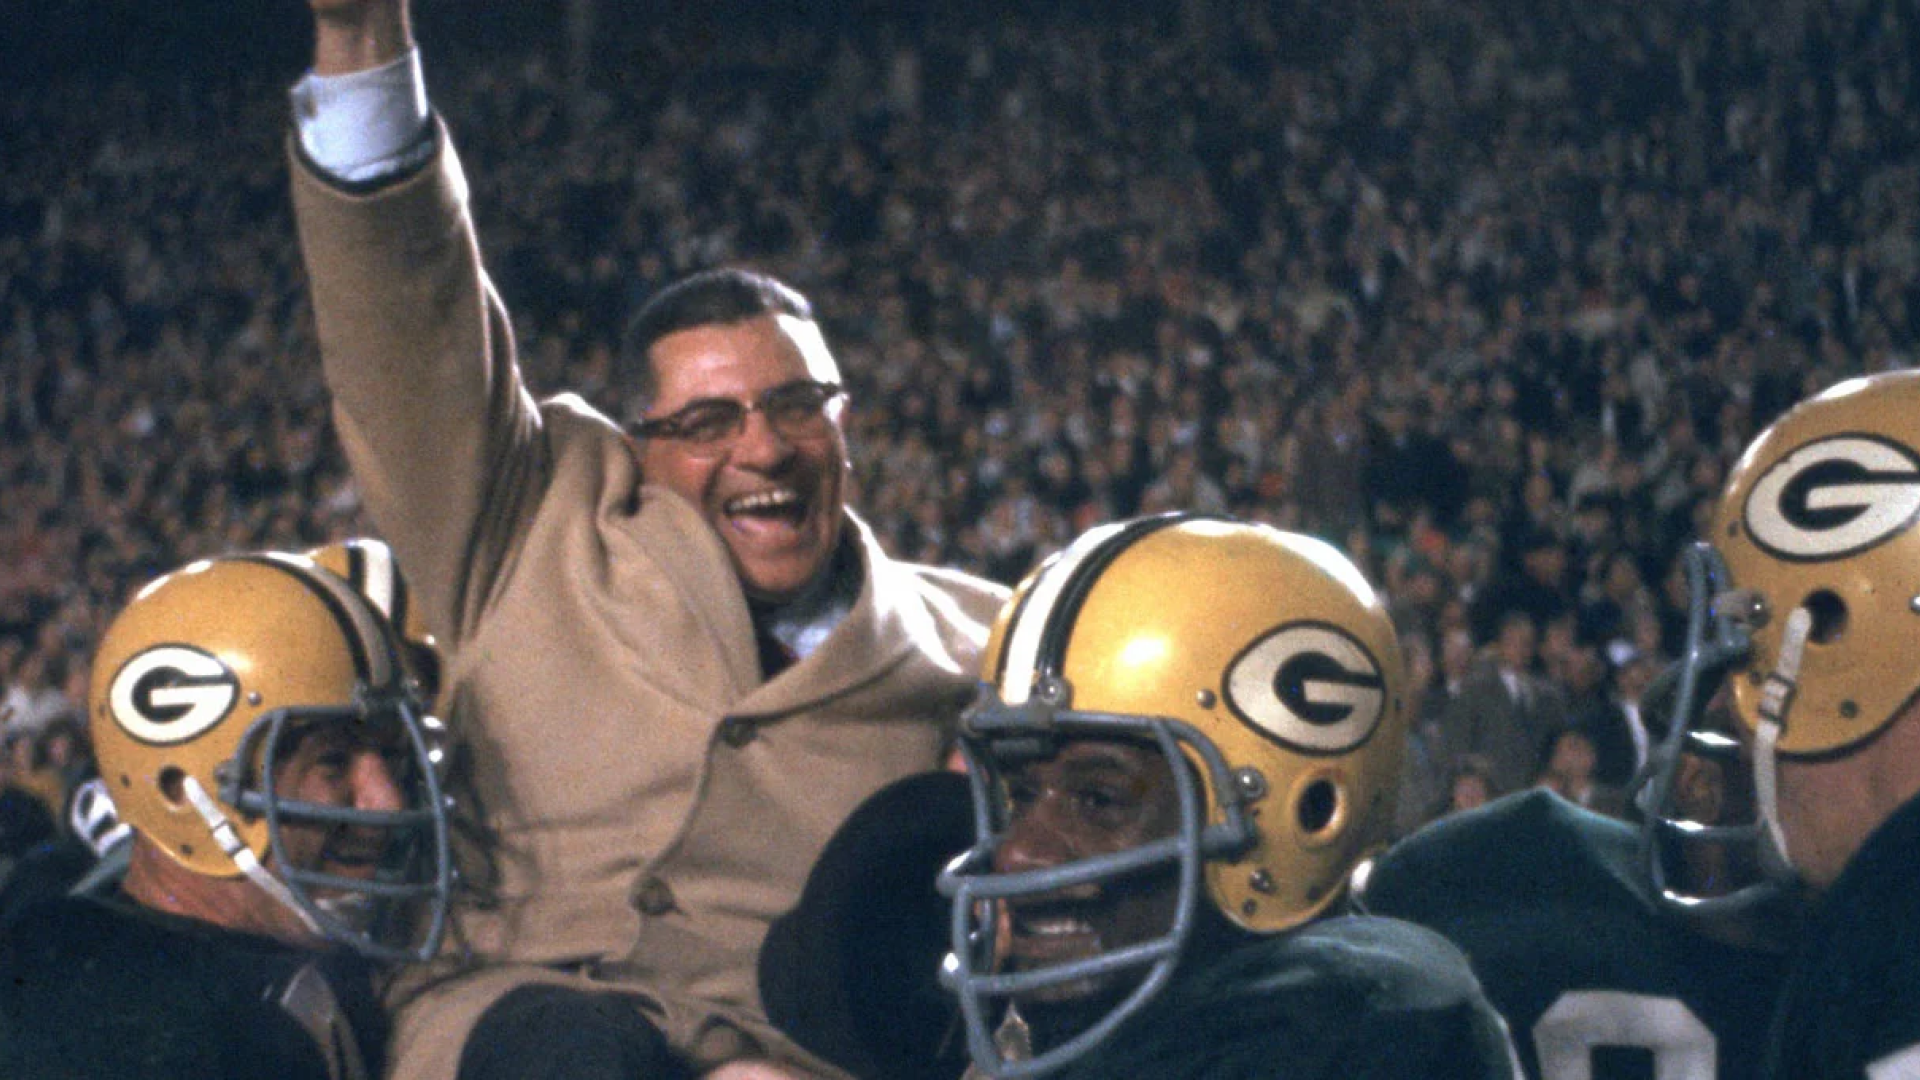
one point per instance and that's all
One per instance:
(797, 410)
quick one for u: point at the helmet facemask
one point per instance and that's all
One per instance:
(997, 739)
(399, 912)
(1675, 845)
(1714, 645)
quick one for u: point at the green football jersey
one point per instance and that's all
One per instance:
(1851, 1007)
(1551, 905)
(104, 988)
(1342, 998)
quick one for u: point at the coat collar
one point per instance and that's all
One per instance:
(890, 622)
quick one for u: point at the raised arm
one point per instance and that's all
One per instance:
(443, 437)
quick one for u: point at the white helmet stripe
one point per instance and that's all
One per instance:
(1024, 638)
(374, 574)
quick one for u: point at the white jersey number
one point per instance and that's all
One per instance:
(1899, 1065)
(1566, 1034)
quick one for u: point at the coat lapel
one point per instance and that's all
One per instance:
(888, 623)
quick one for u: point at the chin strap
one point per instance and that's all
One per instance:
(243, 857)
(1776, 697)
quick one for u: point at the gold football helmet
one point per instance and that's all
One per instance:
(207, 677)
(368, 564)
(1804, 599)
(1260, 662)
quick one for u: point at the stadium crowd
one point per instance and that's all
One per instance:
(1488, 294)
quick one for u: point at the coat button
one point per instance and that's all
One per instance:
(653, 897)
(736, 732)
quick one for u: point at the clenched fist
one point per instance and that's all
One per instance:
(353, 35)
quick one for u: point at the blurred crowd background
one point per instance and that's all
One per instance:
(1489, 293)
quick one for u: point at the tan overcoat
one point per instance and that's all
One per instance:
(652, 804)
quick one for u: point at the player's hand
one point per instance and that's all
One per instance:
(353, 35)
(354, 11)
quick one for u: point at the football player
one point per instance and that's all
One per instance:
(93, 854)
(254, 723)
(1596, 975)
(1612, 949)
(1806, 604)
(1191, 731)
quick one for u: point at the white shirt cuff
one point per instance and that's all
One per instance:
(365, 125)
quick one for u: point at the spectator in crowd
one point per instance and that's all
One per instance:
(37, 693)
(26, 775)
(51, 759)
(1536, 583)
(1634, 678)
(1570, 769)
(1424, 773)
(253, 717)
(1615, 598)
(1432, 767)
(1469, 783)
(1588, 679)
(689, 582)
(1505, 711)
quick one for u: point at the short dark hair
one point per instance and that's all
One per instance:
(711, 297)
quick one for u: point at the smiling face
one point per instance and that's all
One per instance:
(333, 765)
(1092, 798)
(775, 500)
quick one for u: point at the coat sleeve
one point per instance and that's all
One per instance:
(445, 442)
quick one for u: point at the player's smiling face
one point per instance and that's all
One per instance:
(332, 765)
(1094, 797)
(775, 499)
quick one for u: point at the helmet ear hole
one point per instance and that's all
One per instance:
(1318, 806)
(173, 784)
(1829, 617)
(426, 668)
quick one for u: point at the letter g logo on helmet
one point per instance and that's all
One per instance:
(171, 693)
(1311, 686)
(1834, 497)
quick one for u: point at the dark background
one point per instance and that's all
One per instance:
(217, 38)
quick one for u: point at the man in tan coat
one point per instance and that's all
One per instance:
(654, 779)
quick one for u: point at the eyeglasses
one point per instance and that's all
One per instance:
(797, 410)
